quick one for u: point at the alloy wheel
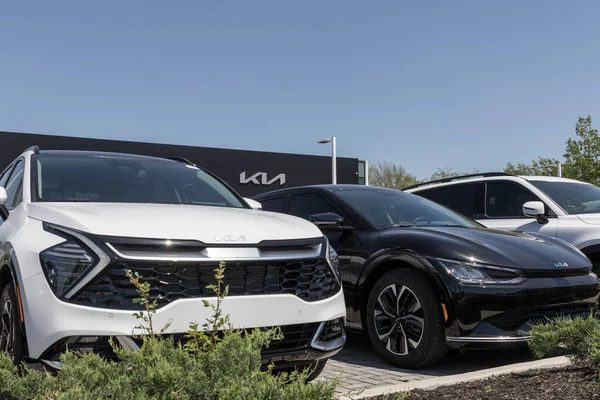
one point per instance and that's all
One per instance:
(399, 319)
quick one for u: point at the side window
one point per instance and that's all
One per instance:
(305, 205)
(506, 199)
(14, 184)
(4, 176)
(275, 204)
(466, 199)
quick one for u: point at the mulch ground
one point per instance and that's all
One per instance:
(569, 383)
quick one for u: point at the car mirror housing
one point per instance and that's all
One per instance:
(253, 203)
(535, 209)
(329, 220)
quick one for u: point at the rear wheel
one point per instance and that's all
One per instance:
(404, 320)
(11, 340)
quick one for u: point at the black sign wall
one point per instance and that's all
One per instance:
(248, 172)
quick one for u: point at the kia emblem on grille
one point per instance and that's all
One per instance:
(561, 265)
(230, 238)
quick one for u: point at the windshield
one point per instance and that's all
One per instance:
(125, 179)
(390, 208)
(574, 198)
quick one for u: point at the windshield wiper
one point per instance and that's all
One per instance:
(76, 201)
(400, 226)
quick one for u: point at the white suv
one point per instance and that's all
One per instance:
(72, 224)
(564, 208)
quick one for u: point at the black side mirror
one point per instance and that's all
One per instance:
(329, 220)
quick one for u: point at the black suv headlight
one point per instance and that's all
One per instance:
(481, 274)
(65, 263)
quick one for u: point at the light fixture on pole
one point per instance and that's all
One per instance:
(558, 168)
(333, 158)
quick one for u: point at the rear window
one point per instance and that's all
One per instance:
(466, 199)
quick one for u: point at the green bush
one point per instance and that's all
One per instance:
(214, 364)
(578, 338)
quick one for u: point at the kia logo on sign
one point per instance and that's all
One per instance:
(260, 178)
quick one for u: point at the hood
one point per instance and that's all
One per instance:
(592, 219)
(487, 246)
(174, 221)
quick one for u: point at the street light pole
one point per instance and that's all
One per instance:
(558, 167)
(333, 158)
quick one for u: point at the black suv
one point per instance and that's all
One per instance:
(419, 278)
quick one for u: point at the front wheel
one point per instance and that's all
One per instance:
(404, 320)
(11, 341)
(315, 370)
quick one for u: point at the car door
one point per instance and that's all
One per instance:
(345, 241)
(504, 209)
(11, 180)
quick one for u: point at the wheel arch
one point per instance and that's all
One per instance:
(398, 259)
(8, 273)
(592, 252)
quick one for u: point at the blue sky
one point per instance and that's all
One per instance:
(427, 84)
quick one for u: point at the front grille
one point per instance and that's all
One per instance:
(513, 320)
(295, 338)
(557, 273)
(310, 280)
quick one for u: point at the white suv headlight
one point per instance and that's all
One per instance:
(65, 263)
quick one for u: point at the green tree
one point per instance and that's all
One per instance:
(542, 166)
(390, 175)
(582, 156)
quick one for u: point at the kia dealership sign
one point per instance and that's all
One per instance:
(248, 172)
(260, 178)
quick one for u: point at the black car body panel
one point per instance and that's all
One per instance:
(556, 277)
(493, 247)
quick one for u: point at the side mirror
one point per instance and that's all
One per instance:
(3, 199)
(535, 209)
(253, 203)
(329, 220)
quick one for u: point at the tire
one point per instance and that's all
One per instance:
(408, 331)
(315, 370)
(11, 339)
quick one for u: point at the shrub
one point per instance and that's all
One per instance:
(216, 363)
(578, 338)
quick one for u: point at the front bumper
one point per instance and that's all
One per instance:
(49, 320)
(302, 344)
(491, 316)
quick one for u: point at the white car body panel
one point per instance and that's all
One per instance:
(210, 225)
(581, 230)
(48, 318)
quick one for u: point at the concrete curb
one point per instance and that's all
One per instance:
(432, 383)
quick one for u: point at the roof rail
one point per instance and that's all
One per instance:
(35, 149)
(181, 159)
(460, 177)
